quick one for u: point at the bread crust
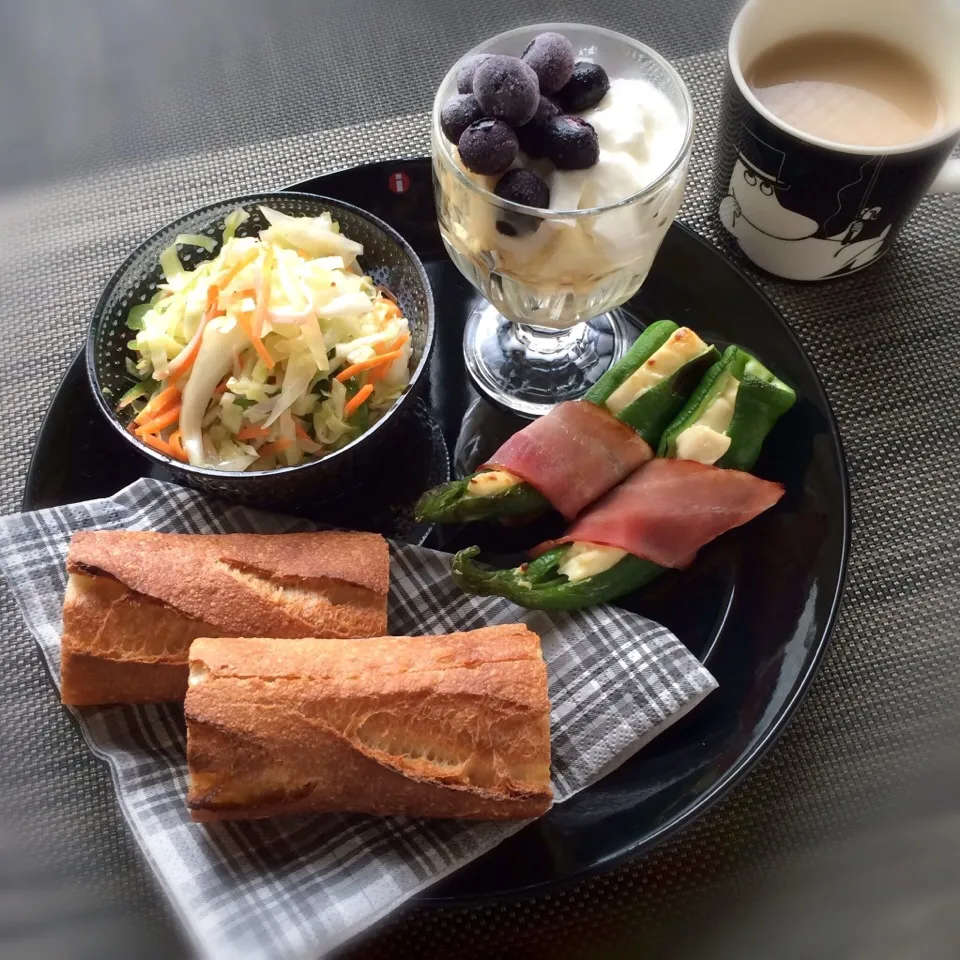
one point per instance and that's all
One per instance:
(138, 600)
(456, 725)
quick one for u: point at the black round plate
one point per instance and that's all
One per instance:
(79, 456)
(758, 605)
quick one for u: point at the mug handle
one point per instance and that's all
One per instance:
(948, 179)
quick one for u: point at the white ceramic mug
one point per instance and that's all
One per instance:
(805, 208)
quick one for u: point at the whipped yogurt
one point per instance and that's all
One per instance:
(571, 268)
(640, 135)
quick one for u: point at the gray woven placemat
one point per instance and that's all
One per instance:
(887, 344)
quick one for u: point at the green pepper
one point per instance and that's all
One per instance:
(761, 399)
(539, 586)
(650, 413)
(453, 502)
(657, 406)
(642, 349)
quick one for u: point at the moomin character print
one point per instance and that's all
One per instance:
(787, 223)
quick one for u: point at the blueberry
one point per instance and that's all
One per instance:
(488, 147)
(551, 56)
(457, 114)
(572, 143)
(466, 72)
(586, 87)
(521, 186)
(533, 134)
(507, 89)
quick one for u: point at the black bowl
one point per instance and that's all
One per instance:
(387, 257)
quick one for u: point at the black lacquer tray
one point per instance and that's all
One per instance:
(758, 605)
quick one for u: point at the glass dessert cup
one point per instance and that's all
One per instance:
(553, 279)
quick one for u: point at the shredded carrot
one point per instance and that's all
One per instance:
(263, 304)
(185, 359)
(176, 444)
(392, 310)
(245, 319)
(244, 259)
(220, 389)
(387, 293)
(252, 433)
(160, 402)
(278, 446)
(398, 343)
(347, 372)
(160, 422)
(379, 372)
(358, 399)
(152, 440)
(301, 433)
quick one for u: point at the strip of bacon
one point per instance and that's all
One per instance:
(668, 509)
(573, 455)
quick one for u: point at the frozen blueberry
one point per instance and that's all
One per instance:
(488, 147)
(507, 89)
(551, 56)
(466, 72)
(533, 134)
(572, 143)
(457, 114)
(521, 186)
(586, 87)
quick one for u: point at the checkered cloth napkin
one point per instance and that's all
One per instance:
(298, 887)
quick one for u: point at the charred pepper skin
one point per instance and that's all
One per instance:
(641, 350)
(452, 502)
(538, 586)
(762, 399)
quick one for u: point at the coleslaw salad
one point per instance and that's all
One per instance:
(276, 350)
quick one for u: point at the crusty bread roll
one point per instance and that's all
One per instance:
(135, 601)
(445, 726)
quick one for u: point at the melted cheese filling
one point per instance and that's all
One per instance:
(490, 482)
(706, 441)
(682, 346)
(584, 560)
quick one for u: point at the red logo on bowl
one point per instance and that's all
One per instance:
(399, 182)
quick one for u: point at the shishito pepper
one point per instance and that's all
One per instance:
(761, 398)
(659, 403)
(539, 586)
(453, 503)
(731, 411)
(459, 501)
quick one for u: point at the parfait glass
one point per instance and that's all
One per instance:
(552, 280)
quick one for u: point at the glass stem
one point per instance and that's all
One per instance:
(550, 342)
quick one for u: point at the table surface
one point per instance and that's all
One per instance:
(125, 113)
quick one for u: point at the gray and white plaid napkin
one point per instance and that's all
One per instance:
(298, 887)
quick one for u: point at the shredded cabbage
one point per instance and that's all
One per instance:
(170, 263)
(232, 222)
(197, 240)
(256, 353)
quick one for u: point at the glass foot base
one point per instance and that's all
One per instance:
(529, 370)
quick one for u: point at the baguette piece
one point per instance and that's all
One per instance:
(135, 601)
(444, 726)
